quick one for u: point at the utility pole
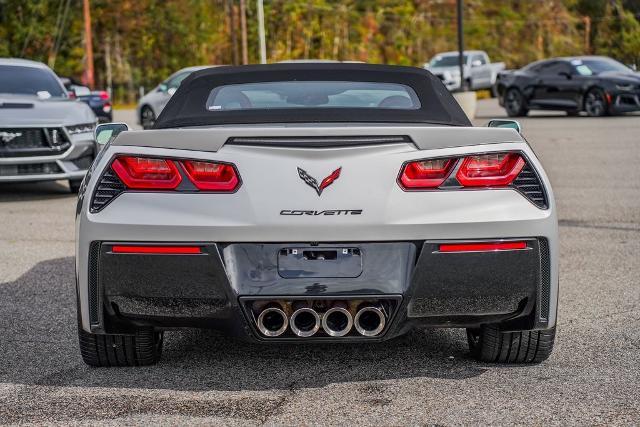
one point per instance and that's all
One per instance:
(107, 63)
(88, 45)
(263, 45)
(233, 27)
(587, 34)
(243, 28)
(460, 45)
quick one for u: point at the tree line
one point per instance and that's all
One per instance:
(140, 42)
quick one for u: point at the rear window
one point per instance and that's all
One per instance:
(312, 94)
(29, 81)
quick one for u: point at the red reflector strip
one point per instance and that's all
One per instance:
(172, 250)
(482, 247)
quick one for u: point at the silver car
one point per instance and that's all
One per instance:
(44, 135)
(151, 105)
(316, 203)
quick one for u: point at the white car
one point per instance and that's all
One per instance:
(317, 202)
(151, 105)
(44, 134)
(479, 71)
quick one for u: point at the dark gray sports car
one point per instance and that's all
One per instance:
(596, 85)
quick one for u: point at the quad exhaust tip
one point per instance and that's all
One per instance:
(305, 322)
(337, 321)
(369, 321)
(272, 322)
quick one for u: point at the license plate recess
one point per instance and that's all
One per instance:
(320, 262)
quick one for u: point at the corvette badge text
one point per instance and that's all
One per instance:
(325, 212)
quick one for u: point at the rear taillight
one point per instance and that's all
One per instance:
(482, 170)
(151, 173)
(489, 170)
(104, 95)
(146, 173)
(211, 176)
(429, 173)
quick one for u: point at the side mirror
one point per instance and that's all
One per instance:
(508, 124)
(172, 90)
(476, 63)
(162, 87)
(107, 132)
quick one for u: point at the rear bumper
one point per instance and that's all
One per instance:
(211, 289)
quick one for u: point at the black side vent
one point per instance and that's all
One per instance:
(319, 141)
(94, 299)
(528, 183)
(107, 189)
(545, 281)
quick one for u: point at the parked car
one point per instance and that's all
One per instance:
(317, 202)
(479, 71)
(98, 100)
(151, 105)
(597, 85)
(44, 134)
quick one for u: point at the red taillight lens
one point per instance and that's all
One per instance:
(146, 173)
(104, 95)
(211, 176)
(429, 173)
(169, 250)
(488, 170)
(483, 247)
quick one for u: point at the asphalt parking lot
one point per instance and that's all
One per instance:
(593, 377)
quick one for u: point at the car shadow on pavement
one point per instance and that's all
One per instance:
(30, 191)
(39, 343)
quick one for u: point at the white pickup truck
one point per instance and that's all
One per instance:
(479, 72)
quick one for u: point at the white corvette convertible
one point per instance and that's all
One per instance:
(315, 203)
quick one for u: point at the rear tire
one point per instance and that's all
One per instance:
(147, 117)
(142, 348)
(514, 103)
(489, 344)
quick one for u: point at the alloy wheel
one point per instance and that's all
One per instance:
(513, 102)
(594, 103)
(148, 118)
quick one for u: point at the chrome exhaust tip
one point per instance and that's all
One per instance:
(369, 321)
(337, 321)
(305, 322)
(272, 322)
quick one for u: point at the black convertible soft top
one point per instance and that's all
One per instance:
(187, 107)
